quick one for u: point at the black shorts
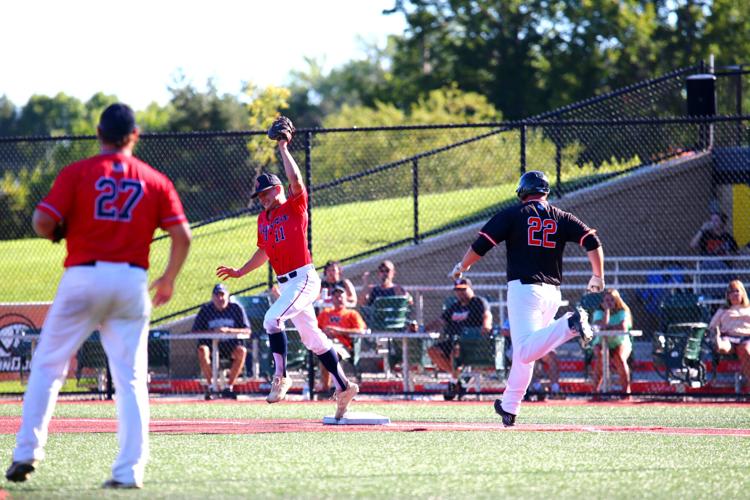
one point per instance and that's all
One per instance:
(446, 346)
(226, 347)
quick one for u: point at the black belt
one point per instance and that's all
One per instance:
(536, 282)
(92, 263)
(287, 277)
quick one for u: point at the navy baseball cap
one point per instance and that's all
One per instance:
(339, 288)
(116, 122)
(265, 181)
(220, 288)
(462, 284)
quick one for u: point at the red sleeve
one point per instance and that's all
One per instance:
(170, 208)
(299, 201)
(60, 198)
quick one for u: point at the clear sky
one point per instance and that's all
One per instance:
(134, 49)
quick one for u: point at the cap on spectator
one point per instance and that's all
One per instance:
(220, 288)
(116, 122)
(339, 288)
(462, 284)
(265, 181)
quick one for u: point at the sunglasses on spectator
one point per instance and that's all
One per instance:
(733, 291)
(383, 269)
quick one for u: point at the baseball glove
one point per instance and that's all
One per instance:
(282, 129)
(59, 232)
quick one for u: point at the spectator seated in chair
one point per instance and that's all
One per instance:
(613, 314)
(225, 316)
(338, 322)
(730, 326)
(714, 240)
(385, 288)
(467, 311)
(333, 277)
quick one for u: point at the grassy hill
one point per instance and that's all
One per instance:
(31, 268)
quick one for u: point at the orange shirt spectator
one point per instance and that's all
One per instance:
(338, 321)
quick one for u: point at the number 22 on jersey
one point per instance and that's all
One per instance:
(539, 232)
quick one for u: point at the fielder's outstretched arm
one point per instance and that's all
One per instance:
(258, 259)
(293, 175)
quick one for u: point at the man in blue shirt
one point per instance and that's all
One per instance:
(225, 316)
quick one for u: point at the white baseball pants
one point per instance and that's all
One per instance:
(111, 297)
(296, 304)
(534, 332)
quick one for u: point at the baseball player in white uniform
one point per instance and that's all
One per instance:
(535, 234)
(107, 207)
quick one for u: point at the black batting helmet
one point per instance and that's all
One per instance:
(532, 182)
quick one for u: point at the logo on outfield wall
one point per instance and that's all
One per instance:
(15, 348)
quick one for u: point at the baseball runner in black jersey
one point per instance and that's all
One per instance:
(535, 234)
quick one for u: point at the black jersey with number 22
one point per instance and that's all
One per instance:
(535, 233)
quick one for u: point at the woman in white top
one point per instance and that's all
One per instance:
(731, 328)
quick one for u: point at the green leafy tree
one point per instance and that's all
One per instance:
(7, 117)
(265, 105)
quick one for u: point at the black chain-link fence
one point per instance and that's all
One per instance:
(630, 163)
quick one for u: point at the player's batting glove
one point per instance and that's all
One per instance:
(282, 129)
(596, 284)
(457, 272)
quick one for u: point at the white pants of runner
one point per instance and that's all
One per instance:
(534, 332)
(113, 298)
(296, 304)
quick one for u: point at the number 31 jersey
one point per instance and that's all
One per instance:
(535, 233)
(111, 205)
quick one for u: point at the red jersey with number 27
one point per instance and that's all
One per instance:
(282, 233)
(112, 204)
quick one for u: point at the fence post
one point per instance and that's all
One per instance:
(308, 183)
(523, 149)
(415, 194)
(558, 170)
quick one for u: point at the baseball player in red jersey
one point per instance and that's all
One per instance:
(282, 239)
(109, 206)
(535, 234)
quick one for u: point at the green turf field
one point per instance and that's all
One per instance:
(439, 464)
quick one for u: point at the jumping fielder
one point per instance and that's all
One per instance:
(282, 239)
(535, 234)
(107, 207)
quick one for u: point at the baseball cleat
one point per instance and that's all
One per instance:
(579, 322)
(279, 387)
(509, 420)
(19, 472)
(113, 484)
(227, 393)
(343, 398)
